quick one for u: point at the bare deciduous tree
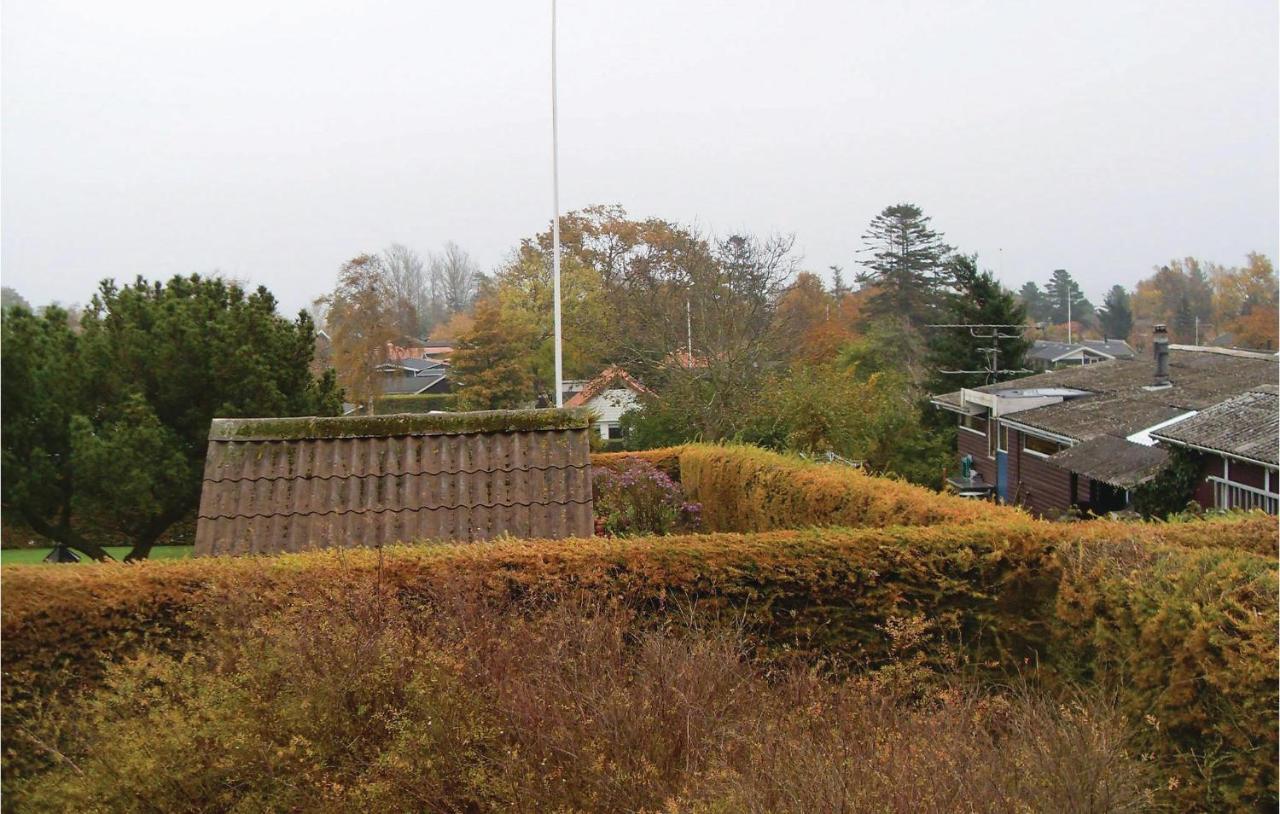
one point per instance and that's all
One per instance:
(454, 276)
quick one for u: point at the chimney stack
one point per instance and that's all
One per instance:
(1160, 345)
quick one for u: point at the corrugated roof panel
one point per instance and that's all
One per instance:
(270, 494)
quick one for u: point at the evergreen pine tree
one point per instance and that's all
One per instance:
(978, 299)
(1034, 301)
(907, 265)
(1060, 287)
(1116, 314)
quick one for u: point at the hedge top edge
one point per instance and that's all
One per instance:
(306, 427)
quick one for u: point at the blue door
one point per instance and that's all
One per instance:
(1002, 476)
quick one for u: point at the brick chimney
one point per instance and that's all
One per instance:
(1160, 346)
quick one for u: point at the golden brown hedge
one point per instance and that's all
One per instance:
(1180, 616)
(743, 488)
(1187, 636)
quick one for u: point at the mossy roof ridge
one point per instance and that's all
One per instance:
(308, 427)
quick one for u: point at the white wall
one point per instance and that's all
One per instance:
(609, 407)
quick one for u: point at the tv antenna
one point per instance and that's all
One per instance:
(993, 333)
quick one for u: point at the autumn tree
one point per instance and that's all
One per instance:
(408, 290)
(105, 430)
(362, 313)
(491, 366)
(807, 319)
(455, 277)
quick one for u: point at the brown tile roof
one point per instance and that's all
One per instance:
(1113, 460)
(1246, 426)
(273, 485)
(599, 384)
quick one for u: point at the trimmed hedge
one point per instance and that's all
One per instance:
(667, 459)
(1187, 635)
(414, 403)
(1188, 639)
(826, 593)
(1256, 532)
(744, 488)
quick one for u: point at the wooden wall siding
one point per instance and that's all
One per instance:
(976, 445)
(1246, 473)
(1204, 493)
(1040, 486)
(272, 496)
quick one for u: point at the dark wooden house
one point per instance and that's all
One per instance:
(1087, 435)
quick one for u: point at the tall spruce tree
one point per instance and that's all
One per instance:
(907, 266)
(1061, 287)
(1116, 313)
(976, 299)
(1035, 302)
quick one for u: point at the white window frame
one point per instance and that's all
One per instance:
(1042, 455)
(1002, 438)
(963, 416)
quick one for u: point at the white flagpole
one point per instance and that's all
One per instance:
(555, 224)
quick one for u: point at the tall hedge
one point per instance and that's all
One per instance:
(1187, 637)
(744, 488)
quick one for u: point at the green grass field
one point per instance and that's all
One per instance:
(29, 556)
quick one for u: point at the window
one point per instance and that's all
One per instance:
(1041, 446)
(991, 439)
(615, 432)
(973, 423)
(1002, 438)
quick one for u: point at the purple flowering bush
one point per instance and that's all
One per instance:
(639, 499)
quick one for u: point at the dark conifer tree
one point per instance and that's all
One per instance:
(1035, 302)
(1060, 287)
(907, 266)
(1116, 314)
(977, 299)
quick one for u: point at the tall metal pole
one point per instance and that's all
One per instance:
(688, 326)
(555, 224)
(1068, 314)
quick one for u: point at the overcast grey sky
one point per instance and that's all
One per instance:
(274, 140)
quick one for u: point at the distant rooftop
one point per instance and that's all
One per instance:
(1048, 351)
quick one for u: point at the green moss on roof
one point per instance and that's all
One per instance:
(294, 429)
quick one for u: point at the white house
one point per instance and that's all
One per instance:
(608, 396)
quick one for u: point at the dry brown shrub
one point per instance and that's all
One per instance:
(350, 699)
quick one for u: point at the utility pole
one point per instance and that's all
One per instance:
(555, 224)
(1068, 313)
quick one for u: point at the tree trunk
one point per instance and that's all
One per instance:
(147, 537)
(62, 533)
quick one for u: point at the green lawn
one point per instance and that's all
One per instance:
(24, 556)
